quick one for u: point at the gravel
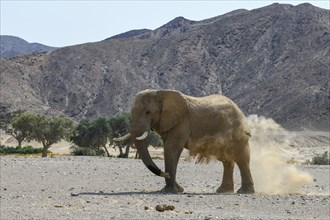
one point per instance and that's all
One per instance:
(109, 188)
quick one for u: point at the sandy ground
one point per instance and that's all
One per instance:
(109, 188)
(67, 187)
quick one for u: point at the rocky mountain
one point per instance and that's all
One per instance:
(12, 46)
(272, 61)
(129, 34)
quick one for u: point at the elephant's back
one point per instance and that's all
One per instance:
(217, 115)
(218, 106)
(218, 128)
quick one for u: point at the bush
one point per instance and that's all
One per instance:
(122, 155)
(20, 150)
(85, 151)
(321, 159)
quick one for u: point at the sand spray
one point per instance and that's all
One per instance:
(271, 147)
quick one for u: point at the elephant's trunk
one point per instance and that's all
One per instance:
(140, 127)
(142, 149)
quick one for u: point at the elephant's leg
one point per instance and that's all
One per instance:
(227, 179)
(247, 182)
(174, 142)
(172, 156)
(243, 162)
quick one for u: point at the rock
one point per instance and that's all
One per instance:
(162, 208)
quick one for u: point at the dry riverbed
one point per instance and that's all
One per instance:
(109, 188)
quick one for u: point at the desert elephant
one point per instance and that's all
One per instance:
(210, 127)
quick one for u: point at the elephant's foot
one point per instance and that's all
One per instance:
(246, 190)
(169, 190)
(225, 189)
(178, 187)
(174, 190)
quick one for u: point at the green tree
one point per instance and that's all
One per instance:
(154, 139)
(120, 125)
(81, 135)
(92, 134)
(18, 124)
(101, 131)
(50, 130)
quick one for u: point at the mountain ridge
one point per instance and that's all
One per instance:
(272, 61)
(12, 46)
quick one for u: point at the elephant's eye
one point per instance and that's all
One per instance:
(148, 112)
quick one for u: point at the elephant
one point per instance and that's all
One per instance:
(210, 127)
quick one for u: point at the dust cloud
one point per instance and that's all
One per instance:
(272, 147)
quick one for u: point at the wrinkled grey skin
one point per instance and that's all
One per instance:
(211, 127)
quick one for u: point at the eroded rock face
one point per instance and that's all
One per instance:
(272, 61)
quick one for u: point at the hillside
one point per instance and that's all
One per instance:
(13, 46)
(273, 61)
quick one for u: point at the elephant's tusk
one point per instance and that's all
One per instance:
(143, 136)
(123, 138)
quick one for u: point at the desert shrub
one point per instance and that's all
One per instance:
(20, 150)
(86, 151)
(321, 159)
(122, 155)
(92, 134)
(154, 139)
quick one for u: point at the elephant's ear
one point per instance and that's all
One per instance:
(173, 109)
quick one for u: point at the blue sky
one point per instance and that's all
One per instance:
(63, 22)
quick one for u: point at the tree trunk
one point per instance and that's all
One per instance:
(127, 151)
(120, 151)
(44, 151)
(19, 143)
(18, 139)
(106, 150)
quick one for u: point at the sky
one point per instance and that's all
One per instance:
(62, 23)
